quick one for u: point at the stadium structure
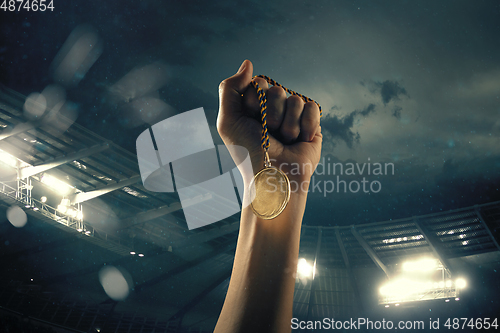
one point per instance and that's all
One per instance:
(86, 210)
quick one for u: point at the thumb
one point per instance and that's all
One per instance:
(231, 89)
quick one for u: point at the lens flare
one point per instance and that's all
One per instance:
(115, 282)
(16, 216)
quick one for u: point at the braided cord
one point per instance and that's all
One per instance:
(263, 105)
(263, 113)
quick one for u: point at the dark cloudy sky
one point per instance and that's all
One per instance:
(414, 83)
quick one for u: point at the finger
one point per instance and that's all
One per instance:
(290, 128)
(309, 121)
(318, 132)
(276, 103)
(230, 91)
(251, 99)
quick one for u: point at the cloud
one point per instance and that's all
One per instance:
(416, 188)
(390, 90)
(480, 86)
(396, 112)
(336, 127)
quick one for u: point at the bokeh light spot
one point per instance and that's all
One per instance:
(16, 216)
(115, 282)
(35, 106)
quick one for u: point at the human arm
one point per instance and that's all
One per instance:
(260, 294)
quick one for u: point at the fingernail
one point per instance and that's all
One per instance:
(242, 67)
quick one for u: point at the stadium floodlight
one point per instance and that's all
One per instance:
(460, 283)
(402, 288)
(420, 280)
(62, 209)
(71, 212)
(304, 269)
(63, 206)
(43, 199)
(421, 265)
(56, 184)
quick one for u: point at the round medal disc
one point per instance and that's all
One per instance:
(270, 190)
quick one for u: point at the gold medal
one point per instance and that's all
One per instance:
(270, 187)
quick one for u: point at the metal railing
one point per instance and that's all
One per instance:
(22, 195)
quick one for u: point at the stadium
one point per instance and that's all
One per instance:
(401, 229)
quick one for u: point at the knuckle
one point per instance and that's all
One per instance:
(311, 105)
(295, 100)
(261, 82)
(310, 114)
(276, 92)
